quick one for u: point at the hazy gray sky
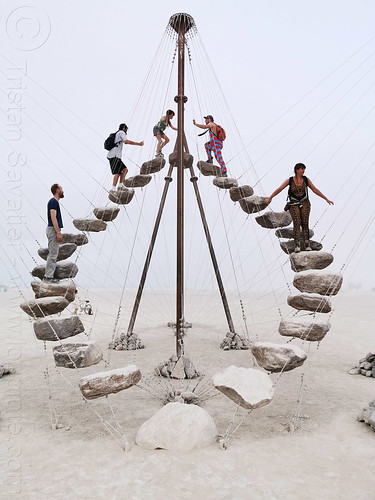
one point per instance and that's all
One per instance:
(298, 80)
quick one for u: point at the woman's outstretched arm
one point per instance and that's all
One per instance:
(277, 191)
(319, 193)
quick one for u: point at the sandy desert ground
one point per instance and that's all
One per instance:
(330, 456)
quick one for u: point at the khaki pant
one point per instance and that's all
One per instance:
(53, 251)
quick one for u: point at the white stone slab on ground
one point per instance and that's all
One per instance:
(177, 427)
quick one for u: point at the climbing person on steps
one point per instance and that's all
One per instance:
(118, 168)
(158, 131)
(214, 144)
(53, 232)
(299, 203)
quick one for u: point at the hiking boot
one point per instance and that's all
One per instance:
(159, 155)
(308, 248)
(223, 174)
(51, 280)
(210, 160)
(297, 249)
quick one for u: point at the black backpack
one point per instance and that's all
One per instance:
(110, 143)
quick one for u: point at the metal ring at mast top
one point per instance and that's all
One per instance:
(181, 23)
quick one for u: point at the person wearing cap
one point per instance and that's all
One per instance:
(214, 144)
(118, 168)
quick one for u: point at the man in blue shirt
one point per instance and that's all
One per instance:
(53, 232)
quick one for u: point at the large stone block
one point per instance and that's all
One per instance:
(247, 387)
(65, 251)
(58, 329)
(310, 330)
(63, 270)
(253, 204)
(177, 427)
(288, 246)
(287, 233)
(272, 220)
(152, 166)
(310, 302)
(90, 225)
(303, 261)
(106, 213)
(77, 355)
(238, 192)
(65, 289)
(78, 239)
(121, 196)
(137, 181)
(109, 382)
(277, 357)
(224, 182)
(188, 159)
(321, 282)
(39, 308)
(208, 168)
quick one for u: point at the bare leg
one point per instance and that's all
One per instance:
(166, 140)
(115, 180)
(123, 175)
(160, 144)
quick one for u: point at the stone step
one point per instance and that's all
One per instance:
(188, 159)
(238, 192)
(312, 330)
(121, 196)
(277, 357)
(78, 239)
(63, 270)
(65, 289)
(304, 261)
(287, 233)
(272, 220)
(137, 181)
(109, 382)
(77, 355)
(45, 306)
(152, 166)
(247, 387)
(288, 246)
(225, 182)
(310, 302)
(66, 250)
(89, 225)
(253, 204)
(208, 169)
(57, 329)
(321, 282)
(107, 214)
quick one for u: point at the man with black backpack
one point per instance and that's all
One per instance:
(215, 144)
(114, 145)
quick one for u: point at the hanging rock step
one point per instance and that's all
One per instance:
(272, 220)
(39, 308)
(247, 387)
(46, 289)
(288, 233)
(208, 168)
(310, 330)
(178, 368)
(63, 270)
(225, 182)
(109, 382)
(253, 204)
(90, 225)
(58, 329)
(321, 282)
(310, 302)
(238, 192)
(188, 159)
(277, 357)
(152, 166)
(121, 196)
(177, 427)
(137, 181)
(77, 355)
(234, 341)
(78, 239)
(304, 261)
(107, 214)
(66, 250)
(288, 246)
